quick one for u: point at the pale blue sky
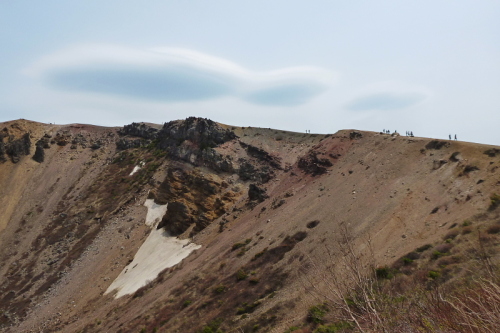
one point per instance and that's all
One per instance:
(432, 67)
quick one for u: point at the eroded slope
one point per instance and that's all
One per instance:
(263, 204)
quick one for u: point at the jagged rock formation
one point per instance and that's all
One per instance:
(13, 147)
(256, 193)
(194, 200)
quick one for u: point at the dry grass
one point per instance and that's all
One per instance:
(429, 296)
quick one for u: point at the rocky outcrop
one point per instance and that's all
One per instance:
(194, 200)
(43, 143)
(129, 143)
(492, 152)
(313, 164)
(39, 155)
(254, 172)
(354, 135)
(436, 144)
(2, 151)
(140, 130)
(136, 135)
(79, 139)
(12, 147)
(262, 155)
(191, 140)
(202, 132)
(256, 193)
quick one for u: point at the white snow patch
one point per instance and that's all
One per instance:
(155, 212)
(158, 252)
(137, 168)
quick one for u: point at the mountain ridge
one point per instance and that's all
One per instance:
(260, 202)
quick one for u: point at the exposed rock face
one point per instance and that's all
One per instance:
(43, 143)
(136, 135)
(492, 152)
(355, 135)
(314, 165)
(128, 143)
(79, 139)
(61, 139)
(435, 144)
(14, 148)
(256, 193)
(204, 133)
(140, 130)
(249, 171)
(192, 140)
(194, 199)
(39, 155)
(2, 150)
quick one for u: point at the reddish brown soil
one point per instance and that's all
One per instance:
(389, 189)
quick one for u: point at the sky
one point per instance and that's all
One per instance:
(430, 67)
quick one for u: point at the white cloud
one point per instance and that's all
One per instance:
(174, 75)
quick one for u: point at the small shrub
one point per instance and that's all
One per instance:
(213, 326)
(424, 248)
(434, 275)
(220, 289)
(241, 275)
(186, 303)
(335, 327)
(466, 223)
(259, 254)
(292, 328)
(407, 261)
(312, 224)
(494, 201)
(247, 308)
(413, 255)
(316, 313)
(237, 246)
(494, 229)
(437, 254)
(384, 273)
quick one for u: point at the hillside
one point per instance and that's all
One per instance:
(196, 226)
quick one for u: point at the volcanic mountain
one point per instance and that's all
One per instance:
(197, 226)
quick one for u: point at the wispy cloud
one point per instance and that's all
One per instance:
(387, 96)
(174, 75)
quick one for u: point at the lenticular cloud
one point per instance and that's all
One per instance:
(174, 75)
(388, 95)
